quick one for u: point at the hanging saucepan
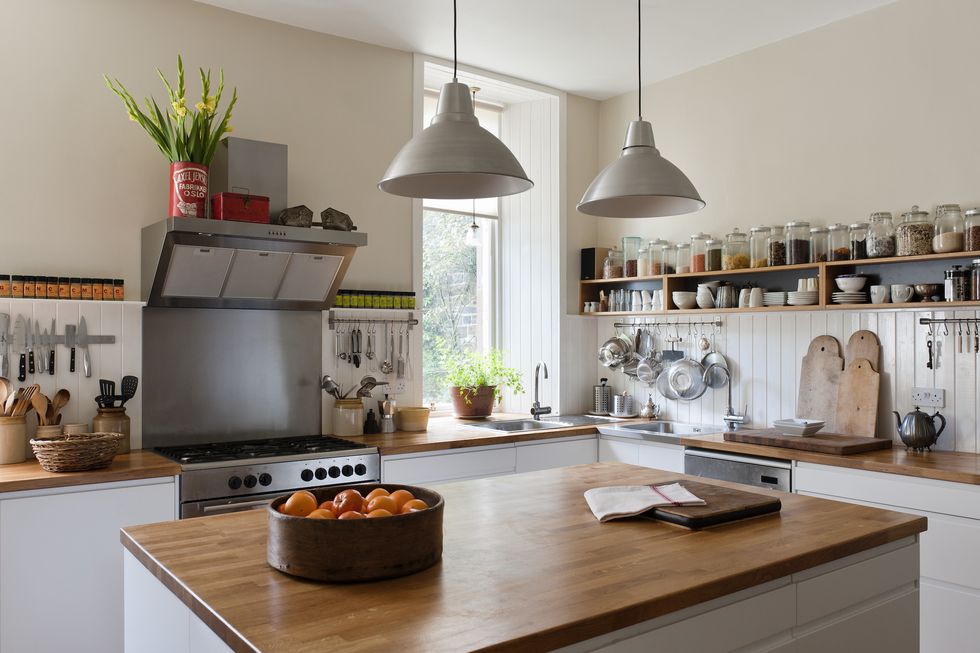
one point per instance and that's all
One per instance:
(684, 378)
(649, 366)
(716, 379)
(616, 351)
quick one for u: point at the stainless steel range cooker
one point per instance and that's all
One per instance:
(245, 475)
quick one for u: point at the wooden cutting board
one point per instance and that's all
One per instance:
(819, 377)
(863, 344)
(723, 505)
(857, 399)
(841, 445)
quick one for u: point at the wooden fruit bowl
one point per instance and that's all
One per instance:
(341, 551)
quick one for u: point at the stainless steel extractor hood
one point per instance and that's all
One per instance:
(197, 263)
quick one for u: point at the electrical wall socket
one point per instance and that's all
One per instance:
(932, 397)
(397, 387)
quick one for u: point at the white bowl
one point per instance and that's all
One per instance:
(684, 299)
(851, 284)
(710, 284)
(798, 427)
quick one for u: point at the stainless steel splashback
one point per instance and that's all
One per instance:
(220, 375)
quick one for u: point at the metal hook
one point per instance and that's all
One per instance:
(945, 329)
(931, 330)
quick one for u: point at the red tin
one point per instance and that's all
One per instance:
(240, 207)
(188, 189)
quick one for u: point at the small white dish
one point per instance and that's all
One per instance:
(798, 427)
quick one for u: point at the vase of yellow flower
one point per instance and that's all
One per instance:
(187, 136)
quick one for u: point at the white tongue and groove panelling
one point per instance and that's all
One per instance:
(765, 351)
(120, 319)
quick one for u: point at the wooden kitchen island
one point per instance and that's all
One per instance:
(526, 567)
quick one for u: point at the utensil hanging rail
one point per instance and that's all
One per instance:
(409, 321)
(949, 320)
(625, 325)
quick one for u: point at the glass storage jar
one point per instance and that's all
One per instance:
(643, 262)
(712, 261)
(881, 235)
(668, 254)
(975, 280)
(838, 243)
(631, 249)
(972, 230)
(949, 226)
(699, 252)
(655, 252)
(776, 244)
(797, 242)
(683, 264)
(913, 237)
(759, 246)
(858, 236)
(735, 252)
(612, 265)
(818, 244)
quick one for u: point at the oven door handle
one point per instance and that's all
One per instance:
(235, 507)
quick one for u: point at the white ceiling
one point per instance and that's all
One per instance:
(587, 47)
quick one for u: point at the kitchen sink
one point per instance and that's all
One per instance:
(549, 422)
(658, 430)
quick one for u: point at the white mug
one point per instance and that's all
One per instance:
(880, 295)
(755, 298)
(801, 285)
(901, 293)
(743, 298)
(811, 284)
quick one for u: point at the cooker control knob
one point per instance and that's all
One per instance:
(306, 475)
(347, 470)
(250, 481)
(234, 482)
(320, 473)
(334, 472)
(265, 479)
(360, 470)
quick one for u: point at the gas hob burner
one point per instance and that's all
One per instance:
(307, 446)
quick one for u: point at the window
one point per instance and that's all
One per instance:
(457, 278)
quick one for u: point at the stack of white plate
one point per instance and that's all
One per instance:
(800, 427)
(860, 297)
(774, 299)
(802, 297)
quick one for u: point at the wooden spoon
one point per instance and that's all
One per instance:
(59, 401)
(40, 404)
(8, 406)
(5, 390)
(24, 403)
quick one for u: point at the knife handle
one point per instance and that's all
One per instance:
(71, 365)
(22, 369)
(51, 362)
(30, 361)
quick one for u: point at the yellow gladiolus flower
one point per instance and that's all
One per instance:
(229, 128)
(200, 106)
(211, 103)
(180, 107)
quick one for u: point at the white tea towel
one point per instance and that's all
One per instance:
(630, 500)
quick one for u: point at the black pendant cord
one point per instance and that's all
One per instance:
(639, 60)
(454, 40)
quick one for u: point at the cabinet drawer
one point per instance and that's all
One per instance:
(668, 457)
(949, 618)
(450, 466)
(547, 455)
(614, 451)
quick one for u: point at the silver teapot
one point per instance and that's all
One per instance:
(918, 429)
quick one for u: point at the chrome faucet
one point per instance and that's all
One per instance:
(536, 409)
(731, 419)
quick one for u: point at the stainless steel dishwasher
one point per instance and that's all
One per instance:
(749, 470)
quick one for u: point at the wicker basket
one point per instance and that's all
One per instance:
(77, 453)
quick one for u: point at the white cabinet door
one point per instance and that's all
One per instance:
(532, 457)
(61, 565)
(668, 457)
(616, 451)
(449, 466)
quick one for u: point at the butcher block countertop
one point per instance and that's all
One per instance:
(526, 567)
(955, 466)
(125, 467)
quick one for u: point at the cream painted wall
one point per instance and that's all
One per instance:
(875, 112)
(80, 180)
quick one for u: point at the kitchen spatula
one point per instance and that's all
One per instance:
(128, 386)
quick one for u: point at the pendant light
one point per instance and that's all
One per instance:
(473, 231)
(640, 183)
(454, 158)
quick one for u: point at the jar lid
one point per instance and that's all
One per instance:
(760, 229)
(837, 227)
(859, 225)
(914, 213)
(683, 245)
(975, 211)
(818, 230)
(797, 224)
(947, 207)
(976, 261)
(881, 215)
(735, 234)
(712, 242)
(700, 236)
(655, 242)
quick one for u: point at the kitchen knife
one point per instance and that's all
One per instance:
(4, 345)
(20, 345)
(30, 348)
(54, 330)
(45, 346)
(38, 348)
(71, 340)
(83, 343)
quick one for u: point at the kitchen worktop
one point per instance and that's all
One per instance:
(125, 467)
(955, 466)
(526, 566)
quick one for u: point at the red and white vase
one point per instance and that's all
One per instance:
(188, 190)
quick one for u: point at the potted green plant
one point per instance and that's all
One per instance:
(187, 136)
(476, 380)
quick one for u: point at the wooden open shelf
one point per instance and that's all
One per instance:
(825, 272)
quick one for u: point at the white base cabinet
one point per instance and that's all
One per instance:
(61, 564)
(658, 455)
(950, 584)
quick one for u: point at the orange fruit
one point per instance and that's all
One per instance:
(300, 504)
(320, 513)
(383, 503)
(401, 497)
(380, 512)
(352, 514)
(413, 505)
(376, 492)
(280, 508)
(328, 505)
(347, 500)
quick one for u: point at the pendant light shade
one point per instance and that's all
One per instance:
(455, 158)
(640, 183)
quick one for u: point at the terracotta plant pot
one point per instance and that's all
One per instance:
(471, 405)
(188, 190)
